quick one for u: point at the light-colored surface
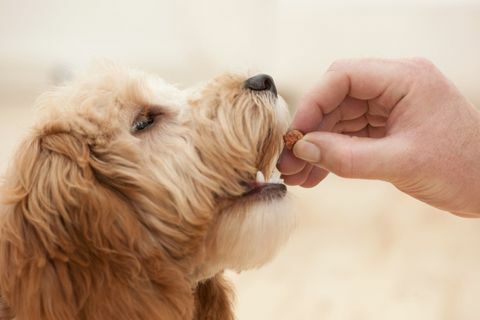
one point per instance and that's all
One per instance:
(362, 250)
(188, 41)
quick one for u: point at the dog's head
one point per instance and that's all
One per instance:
(129, 180)
(239, 125)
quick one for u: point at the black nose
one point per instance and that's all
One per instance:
(261, 82)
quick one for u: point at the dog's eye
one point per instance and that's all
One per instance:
(143, 122)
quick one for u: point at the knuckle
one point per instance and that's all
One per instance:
(338, 64)
(420, 64)
(424, 73)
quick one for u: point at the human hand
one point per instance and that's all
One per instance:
(400, 121)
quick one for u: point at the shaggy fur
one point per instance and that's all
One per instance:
(101, 221)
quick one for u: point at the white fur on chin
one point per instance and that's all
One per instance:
(249, 235)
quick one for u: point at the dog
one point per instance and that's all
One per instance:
(130, 197)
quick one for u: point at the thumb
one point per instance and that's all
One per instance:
(347, 156)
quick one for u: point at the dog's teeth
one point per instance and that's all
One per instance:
(275, 177)
(260, 177)
(276, 181)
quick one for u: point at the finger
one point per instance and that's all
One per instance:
(323, 99)
(298, 178)
(370, 79)
(288, 164)
(360, 133)
(352, 108)
(370, 132)
(330, 120)
(316, 175)
(377, 109)
(348, 109)
(376, 121)
(376, 132)
(351, 125)
(360, 79)
(348, 156)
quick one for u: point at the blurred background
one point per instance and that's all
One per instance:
(361, 250)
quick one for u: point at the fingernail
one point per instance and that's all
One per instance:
(306, 151)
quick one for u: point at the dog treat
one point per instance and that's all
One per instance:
(291, 137)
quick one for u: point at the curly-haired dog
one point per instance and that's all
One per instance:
(130, 197)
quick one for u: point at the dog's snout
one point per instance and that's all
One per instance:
(261, 82)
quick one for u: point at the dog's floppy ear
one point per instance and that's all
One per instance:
(213, 299)
(73, 244)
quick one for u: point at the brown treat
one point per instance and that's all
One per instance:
(291, 137)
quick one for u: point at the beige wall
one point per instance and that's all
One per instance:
(188, 41)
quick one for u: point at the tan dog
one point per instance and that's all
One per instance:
(131, 197)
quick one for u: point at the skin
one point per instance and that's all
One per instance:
(400, 121)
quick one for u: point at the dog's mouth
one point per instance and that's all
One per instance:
(262, 189)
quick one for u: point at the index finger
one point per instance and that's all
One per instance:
(363, 79)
